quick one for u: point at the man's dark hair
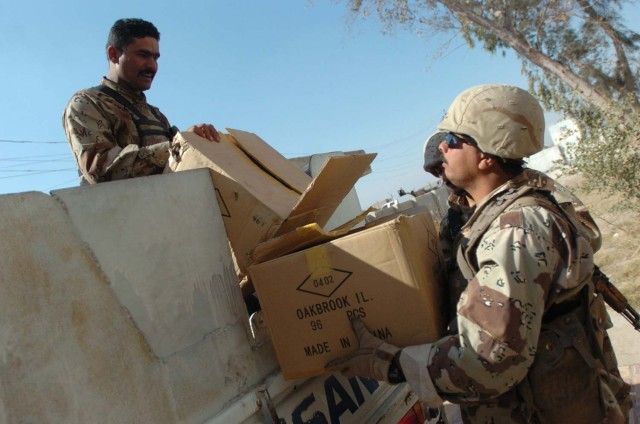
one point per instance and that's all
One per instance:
(511, 167)
(124, 31)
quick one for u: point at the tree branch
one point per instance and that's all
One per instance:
(623, 68)
(520, 45)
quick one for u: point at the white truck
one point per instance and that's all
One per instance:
(119, 303)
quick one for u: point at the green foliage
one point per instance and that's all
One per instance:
(608, 156)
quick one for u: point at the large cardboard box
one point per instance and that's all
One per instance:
(387, 275)
(260, 193)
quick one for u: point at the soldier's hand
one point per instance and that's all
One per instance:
(207, 131)
(372, 359)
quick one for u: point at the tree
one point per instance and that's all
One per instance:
(578, 57)
(611, 153)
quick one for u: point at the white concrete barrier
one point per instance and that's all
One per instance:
(162, 244)
(98, 283)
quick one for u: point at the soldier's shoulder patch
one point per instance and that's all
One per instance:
(511, 219)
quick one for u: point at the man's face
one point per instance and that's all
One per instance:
(460, 163)
(137, 65)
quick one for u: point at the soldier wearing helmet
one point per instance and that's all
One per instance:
(530, 342)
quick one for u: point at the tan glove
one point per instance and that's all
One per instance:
(372, 359)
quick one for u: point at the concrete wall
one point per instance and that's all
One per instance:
(118, 303)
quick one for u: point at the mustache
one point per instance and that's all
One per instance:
(148, 71)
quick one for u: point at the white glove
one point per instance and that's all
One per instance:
(372, 359)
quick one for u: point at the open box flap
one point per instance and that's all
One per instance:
(271, 160)
(326, 191)
(302, 238)
(230, 161)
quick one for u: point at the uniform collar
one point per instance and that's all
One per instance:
(528, 177)
(132, 96)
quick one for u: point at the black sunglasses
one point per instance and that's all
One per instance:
(455, 141)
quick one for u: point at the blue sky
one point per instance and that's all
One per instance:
(300, 74)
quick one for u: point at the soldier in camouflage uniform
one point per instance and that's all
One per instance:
(531, 344)
(112, 130)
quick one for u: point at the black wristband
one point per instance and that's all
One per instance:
(395, 374)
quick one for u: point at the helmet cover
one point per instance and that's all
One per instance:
(505, 121)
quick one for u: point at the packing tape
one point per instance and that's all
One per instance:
(309, 230)
(318, 261)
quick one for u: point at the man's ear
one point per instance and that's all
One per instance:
(486, 162)
(113, 54)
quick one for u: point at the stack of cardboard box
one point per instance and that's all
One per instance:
(311, 282)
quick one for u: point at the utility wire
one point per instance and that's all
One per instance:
(58, 155)
(32, 142)
(27, 162)
(405, 138)
(408, 152)
(66, 183)
(35, 172)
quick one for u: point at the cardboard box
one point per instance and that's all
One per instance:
(260, 193)
(388, 275)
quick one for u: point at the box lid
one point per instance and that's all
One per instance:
(336, 178)
(303, 237)
(227, 159)
(243, 162)
(271, 160)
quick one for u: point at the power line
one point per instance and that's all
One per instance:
(403, 139)
(34, 172)
(25, 162)
(50, 157)
(32, 142)
(66, 183)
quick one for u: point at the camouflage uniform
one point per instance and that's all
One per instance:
(528, 269)
(104, 137)
(529, 341)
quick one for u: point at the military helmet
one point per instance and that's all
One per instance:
(505, 121)
(432, 154)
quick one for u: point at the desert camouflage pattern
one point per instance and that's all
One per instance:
(104, 138)
(524, 350)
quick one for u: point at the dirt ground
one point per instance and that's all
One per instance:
(619, 257)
